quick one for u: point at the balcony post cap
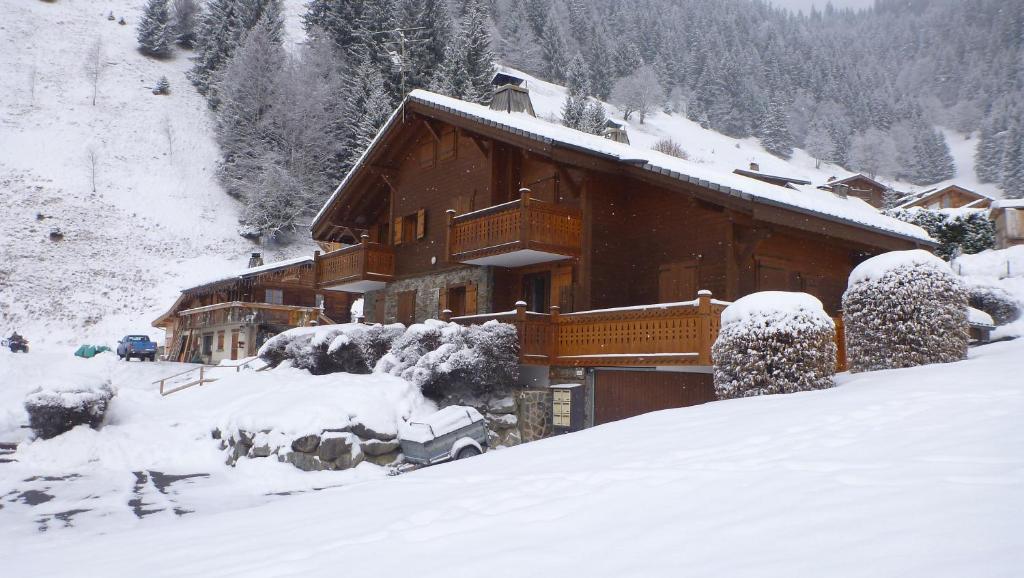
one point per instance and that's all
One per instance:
(704, 293)
(520, 303)
(364, 238)
(446, 315)
(452, 211)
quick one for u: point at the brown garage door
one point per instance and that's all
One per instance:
(622, 394)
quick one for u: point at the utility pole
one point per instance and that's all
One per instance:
(401, 42)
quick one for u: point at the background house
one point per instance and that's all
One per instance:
(1008, 215)
(231, 317)
(950, 197)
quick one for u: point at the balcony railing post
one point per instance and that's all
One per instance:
(316, 269)
(704, 337)
(446, 315)
(553, 329)
(448, 235)
(524, 217)
(364, 241)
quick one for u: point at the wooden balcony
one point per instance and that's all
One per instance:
(357, 268)
(647, 335)
(514, 234)
(250, 314)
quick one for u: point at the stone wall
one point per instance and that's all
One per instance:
(534, 410)
(428, 289)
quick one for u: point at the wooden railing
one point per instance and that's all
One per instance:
(363, 262)
(525, 223)
(648, 335)
(242, 312)
(201, 375)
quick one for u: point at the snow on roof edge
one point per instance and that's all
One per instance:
(548, 133)
(255, 271)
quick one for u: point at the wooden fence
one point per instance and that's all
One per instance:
(525, 223)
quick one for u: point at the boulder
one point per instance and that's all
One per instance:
(306, 444)
(502, 422)
(367, 433)
(303, 461)
(385, 459)
(334, 447)
(375, 448)
(261, 451)
(502, 405)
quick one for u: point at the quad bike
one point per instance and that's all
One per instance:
(16, 343)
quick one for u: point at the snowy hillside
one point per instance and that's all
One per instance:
(726, 153)
(913, 472)
(157, 219)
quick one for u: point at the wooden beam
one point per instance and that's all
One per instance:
(431, 130)
(480, 143)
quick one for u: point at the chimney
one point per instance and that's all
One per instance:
(511, 94)
(755, 167)
(841, 190)
(255, 260)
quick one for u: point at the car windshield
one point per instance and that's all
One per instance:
(138, 338)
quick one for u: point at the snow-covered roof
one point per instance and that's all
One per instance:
(850, 210)
(926, 195)
(1008, 204)
(253, 271)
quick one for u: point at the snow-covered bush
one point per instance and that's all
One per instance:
(996, 301)
(451, 362)
(902, 309)
(957, 231)
(56, 409)
(348, 348)
(774, 342)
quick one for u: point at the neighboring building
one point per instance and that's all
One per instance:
(594, 249)
(951, 197)
(616, 131)
(861, 186)
(231, 317)
(777, 180)
(1008, 215)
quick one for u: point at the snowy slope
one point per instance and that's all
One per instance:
(726, 153)
(914, 473)
(157, 220)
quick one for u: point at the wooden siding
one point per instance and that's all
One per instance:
(623, 394)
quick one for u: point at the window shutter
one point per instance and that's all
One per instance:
(398, 231)
(471, 299)
(421, 223)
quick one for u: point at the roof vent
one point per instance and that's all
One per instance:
(511, 94)
(255, 260)
(755, 167)
(841, 190)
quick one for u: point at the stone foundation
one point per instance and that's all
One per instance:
(428, 289)
(534, 410)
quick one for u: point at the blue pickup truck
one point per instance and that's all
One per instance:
(136, 346)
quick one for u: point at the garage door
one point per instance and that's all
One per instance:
(622, 394)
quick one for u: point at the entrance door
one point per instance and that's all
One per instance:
(407, 307)
(622, 394)
(207, 346)
(677, 282)
(536, 291)
(234, 344)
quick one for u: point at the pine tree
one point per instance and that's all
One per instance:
(155, 34)
(594, 118)
(425, 52)
(577, 90)
(932, 161)
(221, 28)
(1013, 163)
(468, 66)
(774, 130)
(452, 78)
(519, 47)
(367, 107)
(185, 21)
(553, 51)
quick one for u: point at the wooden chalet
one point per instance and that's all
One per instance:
(1008, 216)
(231, 317)
(861, 186)
(614, 262)
(950, 197)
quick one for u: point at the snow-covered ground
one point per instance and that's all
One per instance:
(914, 472)
(157, 220)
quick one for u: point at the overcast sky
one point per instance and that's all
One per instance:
(805, 5)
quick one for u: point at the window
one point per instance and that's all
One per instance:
(220, 341)
(425, 154)
(275, 296)
(447, 149)
(411, 227)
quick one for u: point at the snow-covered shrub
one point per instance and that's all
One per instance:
(957, 231)
(903, 309)
(996, 301)
(56, 409)
(451, 362)
(774, 342)
(348, 347)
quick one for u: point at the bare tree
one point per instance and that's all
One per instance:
(91, 163)
(94, 66)
(640, 92)
(168, 131)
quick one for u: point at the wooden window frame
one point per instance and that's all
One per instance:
(272, 291)
(410, 228)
